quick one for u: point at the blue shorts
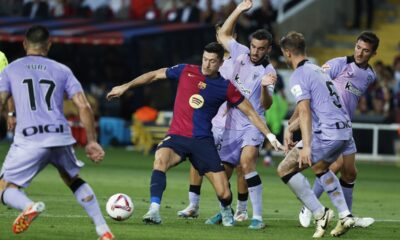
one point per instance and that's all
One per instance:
(202, 153)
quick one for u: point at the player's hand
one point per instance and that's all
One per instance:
(245, 5)
(94, 151)
(11, 123)
(304, 157)
(288, 140)
(117, 91)
(274, 142)
(268, 79)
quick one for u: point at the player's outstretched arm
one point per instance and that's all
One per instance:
(143, 79)
(226, 31)
(93, 150)
(246, 107)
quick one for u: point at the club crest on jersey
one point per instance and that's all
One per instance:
(326, 67)
(202, 85)
(196, 101)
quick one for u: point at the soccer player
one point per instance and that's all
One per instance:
(201, 91)
(351, 76)
(254, 76)
(326, 133)
(42, 135)
(218, 128)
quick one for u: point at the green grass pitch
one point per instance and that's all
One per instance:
(377, 194)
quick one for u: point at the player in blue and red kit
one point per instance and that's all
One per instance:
(201, 91)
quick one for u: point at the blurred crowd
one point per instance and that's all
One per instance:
(209, 11)
(382, 98)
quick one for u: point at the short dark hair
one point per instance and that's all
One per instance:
(37, 34)
(262, 34)
(294, 42)
(371, 38)
(215, 47)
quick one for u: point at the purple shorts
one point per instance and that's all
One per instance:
(22, 163)
(329, 150)
(233, 141)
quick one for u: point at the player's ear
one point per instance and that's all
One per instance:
(48, 46)
(25, 44)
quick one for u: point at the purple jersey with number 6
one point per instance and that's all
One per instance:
(37, 85)
(329, 119)
(351, 81)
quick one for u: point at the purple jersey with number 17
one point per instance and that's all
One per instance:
(37, 85)
(329, 119)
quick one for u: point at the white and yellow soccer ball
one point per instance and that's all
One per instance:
(119, 207)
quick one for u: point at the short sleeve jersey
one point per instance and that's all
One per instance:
(198, 99)
(37, 85)
(246, 77)
(351, 81)
(329, 119)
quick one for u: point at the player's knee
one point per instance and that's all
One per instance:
(349, 176)
(247, 167)
(161, 163)
(282, 169)
(225, 194)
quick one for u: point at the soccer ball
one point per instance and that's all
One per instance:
(119, 207)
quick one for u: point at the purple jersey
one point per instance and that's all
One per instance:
(247, 78)
(226, 72)
(37, 85)
(350, 80)
(329, 119)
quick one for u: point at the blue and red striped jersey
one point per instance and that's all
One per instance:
(197, 100)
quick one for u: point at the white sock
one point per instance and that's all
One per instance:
(241, 205)
(194, 199)
(332, 187)
(16, 198)
(155, 206)
(255, 192)
(301, 188)
(87, 199)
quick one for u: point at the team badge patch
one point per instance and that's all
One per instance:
(202, 85)
(326, 67)
(296, 90)
(196, 101)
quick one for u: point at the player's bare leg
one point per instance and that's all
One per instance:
(165, 158)
(219, 180)
(86, 197)
(243, 195)
(192, 210)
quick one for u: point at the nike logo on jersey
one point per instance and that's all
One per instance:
(191, 75)
(242, 63)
